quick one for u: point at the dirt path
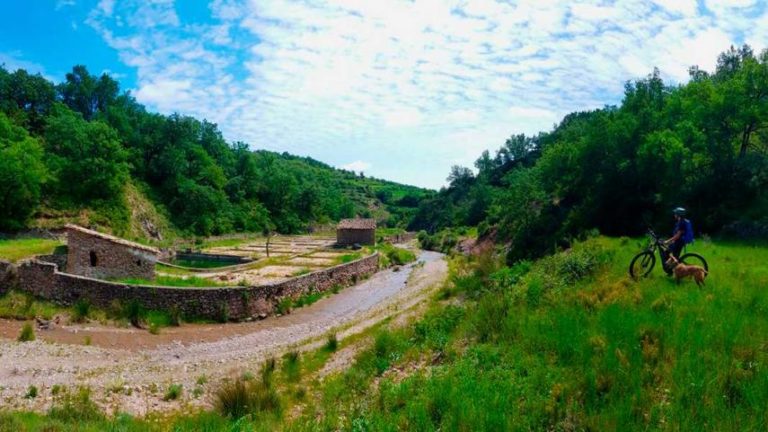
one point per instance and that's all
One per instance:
(129, 370)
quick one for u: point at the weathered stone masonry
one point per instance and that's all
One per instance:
(44, 280)
(93, 254)
(356, 231)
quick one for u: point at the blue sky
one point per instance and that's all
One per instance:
(399, 89)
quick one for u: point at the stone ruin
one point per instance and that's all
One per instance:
(101, 256)
(356, 231)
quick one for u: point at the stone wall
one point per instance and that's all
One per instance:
(235, 303)
(346, 237)
(100, 256)
(7, 276)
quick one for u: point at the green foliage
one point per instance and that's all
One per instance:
(238, 398)
(81, 310)
(85, 158)
(173, 392)
(22, 174)
(332, 344)
(618, 169)
(31, 392)
(569, 343)
(15, 250)
(205, 184)
(77, 408)
(27, 333)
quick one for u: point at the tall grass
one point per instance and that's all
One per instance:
(15, 250)
(571, 343)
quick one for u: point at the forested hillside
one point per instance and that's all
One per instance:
(701, 145)
(83, 150)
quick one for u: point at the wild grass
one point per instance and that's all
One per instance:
(173, 392)
(346, 258)
(27, 333)
(571, 343)
(23, 306)
(15, 250)
(568, 342)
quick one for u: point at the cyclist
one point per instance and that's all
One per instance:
(682, 234)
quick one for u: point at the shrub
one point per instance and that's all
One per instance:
(284, 306)
(76, 408)
(332, 344)
(81, 310)
(87, 340)
(31, 392)
(238, 398)
(134, 312)
(173, 392)
(27, 333)
(400, 256)
(174, 315)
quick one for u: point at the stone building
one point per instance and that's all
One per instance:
(93, 254)
(356, 231)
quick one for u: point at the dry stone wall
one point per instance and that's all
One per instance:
(96, 255)
(346, 237)
(7, 276)
(234, 303)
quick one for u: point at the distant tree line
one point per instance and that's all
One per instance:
(75, 145)
(702, 145)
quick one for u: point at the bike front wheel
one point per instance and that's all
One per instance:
(694, 259)
(642, 264)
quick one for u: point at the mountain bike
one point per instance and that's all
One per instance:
(643, 263)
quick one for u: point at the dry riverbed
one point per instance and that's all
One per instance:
(129, 370)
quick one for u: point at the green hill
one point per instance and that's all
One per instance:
(701, 145)
(83, 151)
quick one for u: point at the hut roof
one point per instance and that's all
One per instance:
(357, 224)
(113, 239)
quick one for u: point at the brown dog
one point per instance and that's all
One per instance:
(681, 271)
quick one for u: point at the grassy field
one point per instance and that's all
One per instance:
(568, 342)
(15, 250)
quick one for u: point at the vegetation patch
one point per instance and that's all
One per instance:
(15, 250)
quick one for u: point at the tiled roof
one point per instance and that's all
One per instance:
(361, 224)
(112, 239)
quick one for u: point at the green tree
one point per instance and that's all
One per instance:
(22, 174)
(85, 158)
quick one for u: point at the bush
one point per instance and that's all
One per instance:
(81, 310)
(400, 256)
(27, 333)
(174, 392)
(332, 344)
(238, 398)
(77, 408)
(31, 392)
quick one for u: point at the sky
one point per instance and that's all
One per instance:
(400, 90)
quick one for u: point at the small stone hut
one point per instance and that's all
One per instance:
(356, 231)
(97, 255)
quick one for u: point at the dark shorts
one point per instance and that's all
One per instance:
(676, 248)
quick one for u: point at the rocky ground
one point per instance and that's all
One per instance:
(128, 370)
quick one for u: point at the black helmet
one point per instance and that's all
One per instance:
(679, 211)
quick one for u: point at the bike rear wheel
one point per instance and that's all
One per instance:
(642, 264)
(694, 259)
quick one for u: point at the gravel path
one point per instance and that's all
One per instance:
(133, 375)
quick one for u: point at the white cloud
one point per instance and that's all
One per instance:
(412, 87)
(357, 165)
(12, 61)
(60, 4)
